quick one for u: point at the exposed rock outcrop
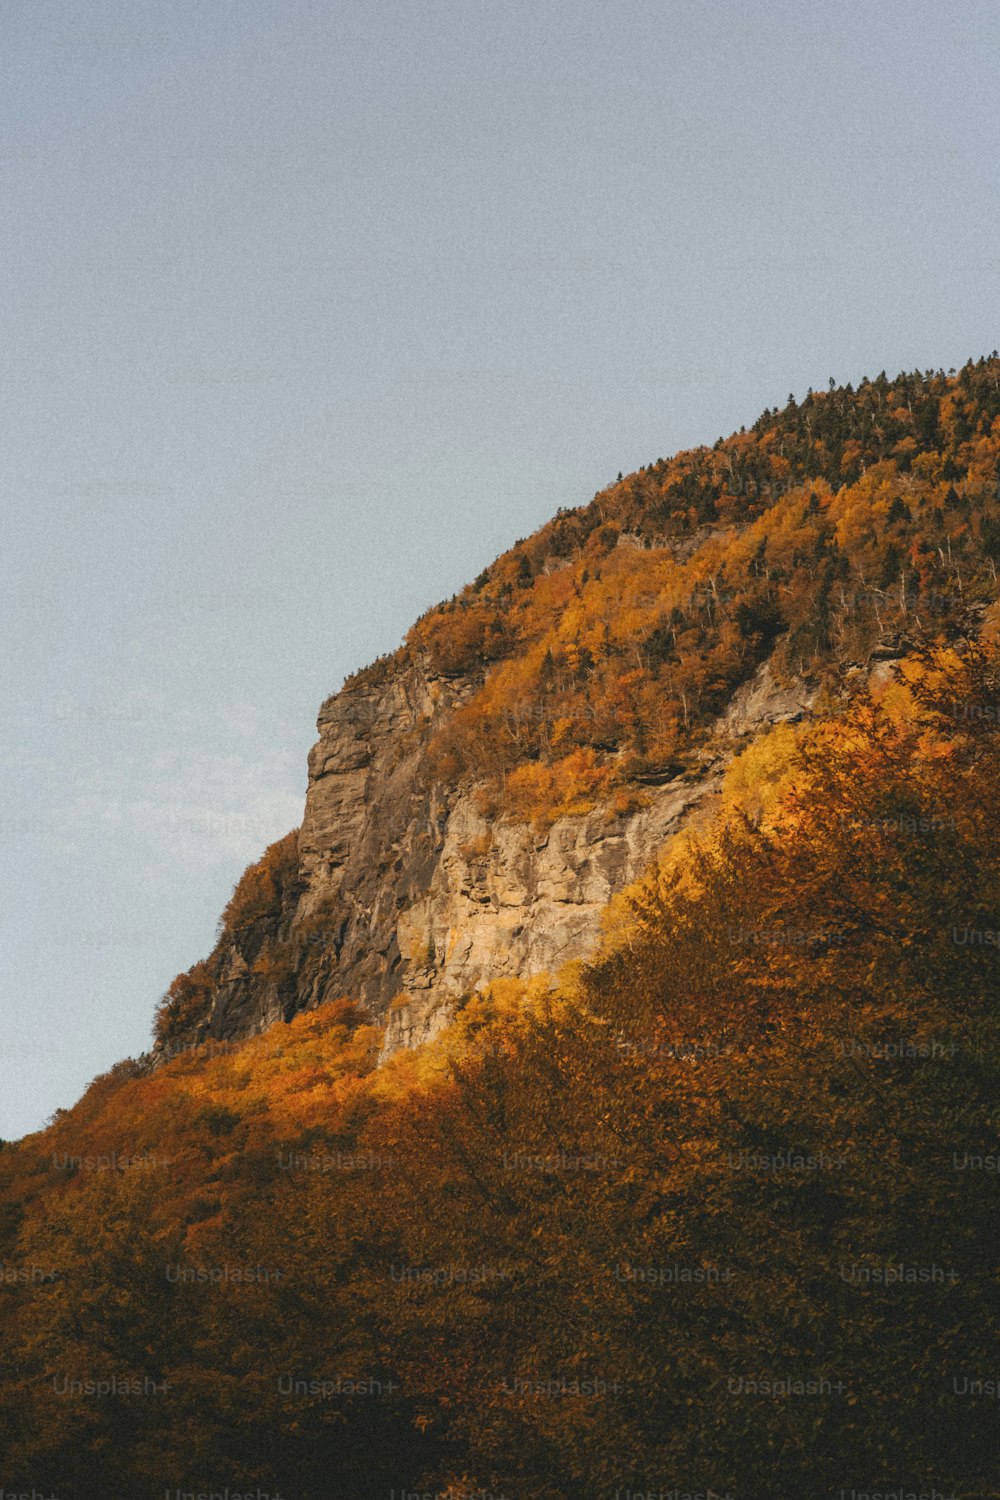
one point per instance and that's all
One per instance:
(763, 700)
(651, 632)
(408, 897)
(408, 893)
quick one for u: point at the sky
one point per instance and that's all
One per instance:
(308, 309)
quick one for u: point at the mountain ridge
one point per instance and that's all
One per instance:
(604, 1228)
(476, 797)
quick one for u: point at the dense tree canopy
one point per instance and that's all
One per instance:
(607, 643)
(715, 1211)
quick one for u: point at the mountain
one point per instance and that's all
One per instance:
(475, 799)
(597, 1095)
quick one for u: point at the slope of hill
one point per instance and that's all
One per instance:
(709, 1208)
(719, 1209)
(476, 798)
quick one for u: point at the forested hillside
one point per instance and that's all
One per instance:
(619, 630)
(713, 1211)
(720, 1207)
(585, 673)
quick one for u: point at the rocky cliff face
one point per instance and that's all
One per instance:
(408, 897)
(820, 542)
(504, 900)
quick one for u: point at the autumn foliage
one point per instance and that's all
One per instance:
(621, 628)
(569, 1245)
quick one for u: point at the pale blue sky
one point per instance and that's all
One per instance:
(308, 310)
